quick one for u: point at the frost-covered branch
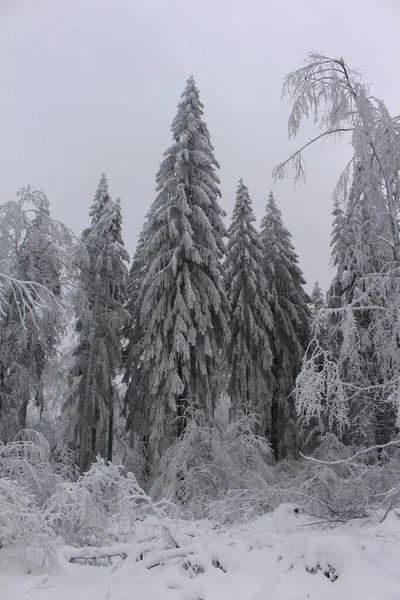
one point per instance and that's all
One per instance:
(296, 159)
(31, 298)
(354, 456)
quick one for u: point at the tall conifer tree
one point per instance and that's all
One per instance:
(100, 319)
(184, 309)
(249, 351)
(290, 312)
(136, 406)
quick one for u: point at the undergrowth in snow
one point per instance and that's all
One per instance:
(278, 556)
(322, 528)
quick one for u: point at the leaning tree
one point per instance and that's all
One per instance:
(359, 383)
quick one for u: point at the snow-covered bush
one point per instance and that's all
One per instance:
(102, 482)
(116, 496)
(249, 456)
(85, 510)
(186, 474)
(72, 514)
(27, 460)
(338, 482)
(81, 511)
(63, 463)
(240, 506)
(23, 528)
(207, 467)
(327, 494)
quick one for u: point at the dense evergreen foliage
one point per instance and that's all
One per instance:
(249, 351)
(100, 319)
(290, 313)
(183, 306)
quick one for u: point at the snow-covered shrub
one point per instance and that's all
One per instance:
(186, 474)
(329, 485)
(63, 463)
(27, 460)
(239, 505)
(327, 494)
(246, 460)
(207, 468)
(102, 482)
(85, 510)
(23, 528)
(81, 511)
(117, 497)
(72, 514)
(131, 503)
(249, 456)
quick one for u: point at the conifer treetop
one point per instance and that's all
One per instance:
(188, 124)
(284, 276)
(101, 198)
(244, 243)
(337, 233)
(275, 234)
(317, 297)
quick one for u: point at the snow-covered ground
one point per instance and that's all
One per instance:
(276, 557)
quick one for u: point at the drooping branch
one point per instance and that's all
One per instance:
(31, 298)
(296, 159)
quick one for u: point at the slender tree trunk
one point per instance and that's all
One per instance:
(24, 410)
(146, 453)
(274, 426)
(274, 437)
(86, 415)
(110, 437)
(180, 414)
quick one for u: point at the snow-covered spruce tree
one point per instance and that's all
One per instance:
(100, 318)
(184, 309)
(337, 237)
(320, 324)
(136, 405)
(317, 300)
(136, 409)
(33, 253)
(249, 352)
(360, 381)
(290, 335)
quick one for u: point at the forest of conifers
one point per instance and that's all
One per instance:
(201, 365)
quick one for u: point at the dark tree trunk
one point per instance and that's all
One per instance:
(110, 437)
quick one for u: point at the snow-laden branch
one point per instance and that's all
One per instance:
(31, 298)
(352, 458)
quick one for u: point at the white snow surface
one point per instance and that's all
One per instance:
(276, 557)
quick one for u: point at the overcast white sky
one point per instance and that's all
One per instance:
(92, 85)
